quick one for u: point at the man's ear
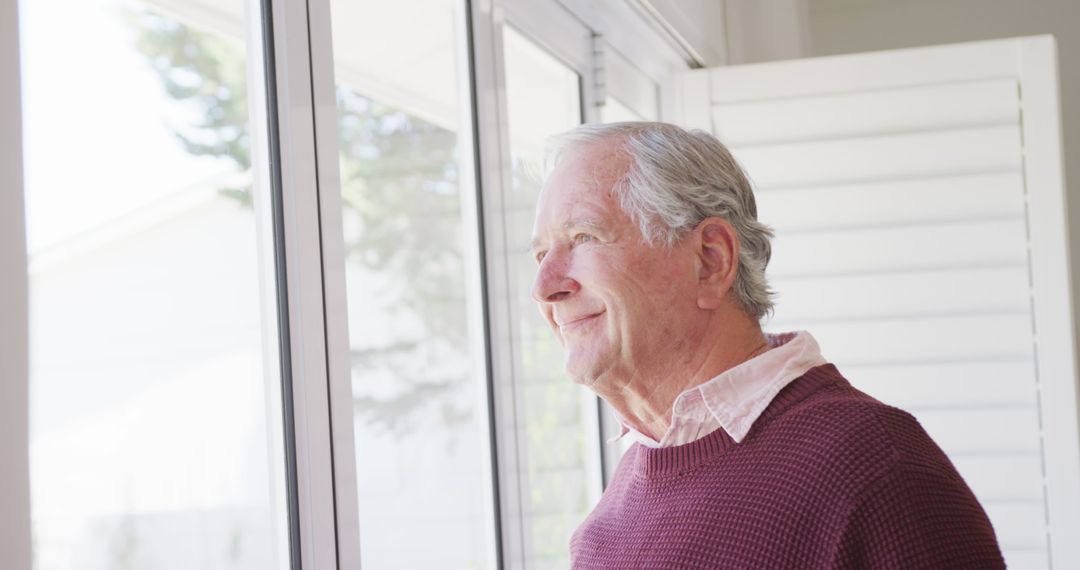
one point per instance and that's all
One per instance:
(718, 255)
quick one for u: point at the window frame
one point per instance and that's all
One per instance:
(298, 72)
(15, 536)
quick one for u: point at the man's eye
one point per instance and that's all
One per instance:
(582, 238)
(539, 256)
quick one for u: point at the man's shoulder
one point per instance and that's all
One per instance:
(822, 401)
(840, 425)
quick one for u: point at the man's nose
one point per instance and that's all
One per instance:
(553, 284)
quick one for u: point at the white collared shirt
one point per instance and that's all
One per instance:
(736, 397)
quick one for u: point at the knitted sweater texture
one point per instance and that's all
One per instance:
(827, 477)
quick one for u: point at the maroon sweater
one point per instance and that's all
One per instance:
(827, 477)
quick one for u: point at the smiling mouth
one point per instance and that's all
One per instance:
(578, 322)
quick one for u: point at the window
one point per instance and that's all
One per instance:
(267, 300)
(156, 438)
(543, 98)
(616, 111)
(418, 387)
(632, 95)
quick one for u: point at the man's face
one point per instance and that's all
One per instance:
(619, 306)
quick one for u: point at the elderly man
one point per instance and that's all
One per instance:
(752, 450)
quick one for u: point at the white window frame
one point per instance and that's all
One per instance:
(493, 175)
(305, 153)
(14, 307)
(1054, 313)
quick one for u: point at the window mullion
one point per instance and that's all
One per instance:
(14, 366)
(493, 178)
(300, 260)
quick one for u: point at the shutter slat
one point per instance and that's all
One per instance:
(953, 384)
(1002, 477)
(905, 202)
(861, 113)
(920, 293)
(1030, 559)
(883, 158)
(923, 340)
(1019, 525)
(863, 251)
(983, 431)
(863, 72)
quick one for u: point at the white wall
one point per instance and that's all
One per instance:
(845, 26)
(15, 475)
(765, 30)
(700, 24)
(730, 32)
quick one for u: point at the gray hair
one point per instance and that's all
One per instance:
(676, 179)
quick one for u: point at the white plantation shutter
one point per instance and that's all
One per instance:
(918, 206)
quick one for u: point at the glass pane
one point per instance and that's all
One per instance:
(152, 396)
(418, 392)
(543, 98)
(631, 94)
(614, 111)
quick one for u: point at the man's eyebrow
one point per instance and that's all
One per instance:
(584, 222)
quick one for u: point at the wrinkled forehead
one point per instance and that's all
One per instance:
(604, 156)
(582, 173)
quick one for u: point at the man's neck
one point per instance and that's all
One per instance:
(645, 399)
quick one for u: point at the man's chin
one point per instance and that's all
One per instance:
(581, 379)
(581, 373)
